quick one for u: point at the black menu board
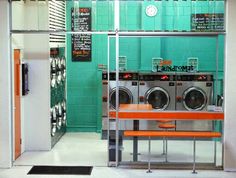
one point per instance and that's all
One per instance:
(207, 22)
(81, 43)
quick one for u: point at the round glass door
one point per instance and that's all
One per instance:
(125, 97)
(194, 99)
(158, 98)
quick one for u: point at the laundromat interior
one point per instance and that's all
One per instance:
(126, 88)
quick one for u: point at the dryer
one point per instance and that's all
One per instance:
(128, 94)
(194, 92)
(157, 89)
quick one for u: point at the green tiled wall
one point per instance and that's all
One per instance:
(84, 78)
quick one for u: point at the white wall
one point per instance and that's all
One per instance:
(36, 15)
(230, 89)
(5, 88)
(30, 15)
(37, 107)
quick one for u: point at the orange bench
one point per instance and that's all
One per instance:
(172, 134)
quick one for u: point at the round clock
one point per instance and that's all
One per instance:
(151, 10)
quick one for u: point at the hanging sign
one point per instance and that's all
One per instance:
(170, 68)
(207, 22)
(81, 43)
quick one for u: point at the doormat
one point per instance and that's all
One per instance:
(61, 170)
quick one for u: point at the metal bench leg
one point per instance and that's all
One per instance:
(163, 146)
(194, 156)
(166, 149)
(149, 155)
(215, 147)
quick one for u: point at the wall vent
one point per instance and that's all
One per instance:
(57, 20)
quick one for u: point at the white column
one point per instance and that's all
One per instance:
(230, 89)
(117, 14)
(5, 88)
(117, 25)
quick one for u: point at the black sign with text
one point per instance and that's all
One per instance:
(81, 43)
(207, 22)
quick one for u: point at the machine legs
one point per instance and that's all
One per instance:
(149, 155)
(194, 156)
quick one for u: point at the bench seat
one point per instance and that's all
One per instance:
(174, 134)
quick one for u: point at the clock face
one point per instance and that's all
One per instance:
(151, 10)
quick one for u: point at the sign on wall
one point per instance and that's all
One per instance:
(81, 43)
(207, 22)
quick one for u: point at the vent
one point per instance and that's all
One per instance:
(57, 20)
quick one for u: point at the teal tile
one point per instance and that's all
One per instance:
(83, 89)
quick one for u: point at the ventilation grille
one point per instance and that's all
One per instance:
(57, 20)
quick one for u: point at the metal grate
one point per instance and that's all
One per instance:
(57, 20)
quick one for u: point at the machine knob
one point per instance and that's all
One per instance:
(104, 99)
(141, 98)
(178, 99)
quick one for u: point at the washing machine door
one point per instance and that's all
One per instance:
(125, 97)
(194, 99)
(158, 98)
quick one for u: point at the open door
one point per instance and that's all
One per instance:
(17, 108)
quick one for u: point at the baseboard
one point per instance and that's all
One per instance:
(230, 169)
(81, 129)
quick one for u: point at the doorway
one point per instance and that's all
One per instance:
(17, 108)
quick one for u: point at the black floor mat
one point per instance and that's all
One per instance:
(61, 170)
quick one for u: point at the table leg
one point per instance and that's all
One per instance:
(135, 141)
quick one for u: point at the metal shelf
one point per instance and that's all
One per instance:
(173, 34)
(123, 33)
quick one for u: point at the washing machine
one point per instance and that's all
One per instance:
(157, 89)
(194, 92)
(128, 94)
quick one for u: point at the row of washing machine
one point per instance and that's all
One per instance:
(164, 91)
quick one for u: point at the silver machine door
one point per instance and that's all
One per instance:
(194, 99)
(125, 97)
(158, 98)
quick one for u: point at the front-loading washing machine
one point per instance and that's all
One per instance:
(157, 89)
(128, 94)
(194, 92)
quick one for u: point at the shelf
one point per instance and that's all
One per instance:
(125, 33)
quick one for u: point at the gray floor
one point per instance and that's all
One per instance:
(87, 149)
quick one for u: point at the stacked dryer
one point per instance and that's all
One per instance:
(194, 92)
(128, 94)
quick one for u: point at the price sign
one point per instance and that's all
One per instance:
(81, 43)
(207, 22)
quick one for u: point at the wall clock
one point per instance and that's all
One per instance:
(151, 10)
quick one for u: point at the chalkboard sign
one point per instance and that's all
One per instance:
(207, 22)
(81, 43)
